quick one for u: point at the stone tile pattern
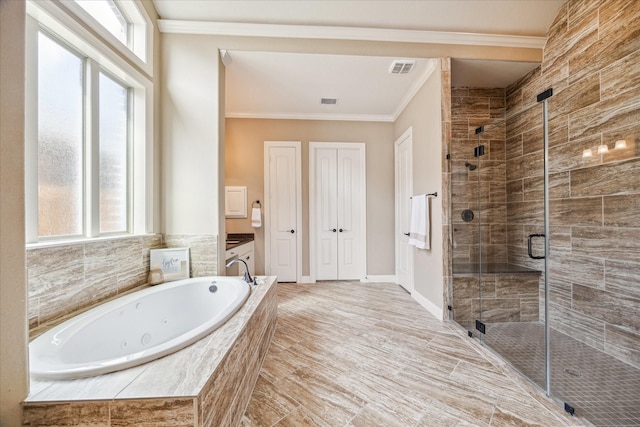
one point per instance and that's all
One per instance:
(482, 190)
(592, 62)
(354, 354)
(206, 384)
(445, 111)
(203, 252)
(603, 389)
(68, 278)
(504, 298)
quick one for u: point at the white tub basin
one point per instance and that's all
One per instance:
(136, 328)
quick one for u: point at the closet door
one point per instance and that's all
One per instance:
(326, 210)
(337, 211)
(349, 206)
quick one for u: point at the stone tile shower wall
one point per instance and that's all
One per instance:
(505, 297)
(470, 108)
(592, 62)
(64, 279)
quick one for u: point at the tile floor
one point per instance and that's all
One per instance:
(603, 390)
(367, 354)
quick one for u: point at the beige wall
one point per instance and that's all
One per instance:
(424, 115)
(190, 106)
(13, 292)
(245, 166)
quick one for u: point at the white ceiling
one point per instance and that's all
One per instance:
(287, 85)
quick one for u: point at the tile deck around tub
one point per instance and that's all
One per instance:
(367, 354)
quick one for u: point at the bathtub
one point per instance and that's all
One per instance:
(136, 328)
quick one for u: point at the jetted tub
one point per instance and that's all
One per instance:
(136, 328)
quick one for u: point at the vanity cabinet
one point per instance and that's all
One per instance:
(244, 252)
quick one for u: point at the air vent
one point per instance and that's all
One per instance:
(328, 101)
(401, 66)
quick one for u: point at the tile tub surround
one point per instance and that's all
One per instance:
(206, 384)
(64, 279)
(203, 252)
(354, 354)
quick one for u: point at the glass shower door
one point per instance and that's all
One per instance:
(512, 238)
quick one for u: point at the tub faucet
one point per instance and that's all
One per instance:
(247, 276)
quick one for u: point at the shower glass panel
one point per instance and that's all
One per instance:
(529, 280)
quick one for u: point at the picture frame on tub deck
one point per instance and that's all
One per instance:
(174, 263)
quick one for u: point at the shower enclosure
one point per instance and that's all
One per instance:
(510, 219)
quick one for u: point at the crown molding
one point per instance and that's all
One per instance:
(348, 33)
(313, 116)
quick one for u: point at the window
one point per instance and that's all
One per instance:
(114, 152)
(89, 134)
(107, 13)
(121, 19)
(60, 139)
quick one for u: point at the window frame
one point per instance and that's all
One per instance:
(98, 58)
(139, 47)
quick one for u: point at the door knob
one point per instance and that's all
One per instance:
(406, 234)
(333, 229)
(341, 230)
(292, 231)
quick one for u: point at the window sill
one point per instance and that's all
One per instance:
(83, 240)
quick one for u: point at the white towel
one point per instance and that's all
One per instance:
(256, 217)
(419, 227)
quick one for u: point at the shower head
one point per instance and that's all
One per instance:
(470, 166)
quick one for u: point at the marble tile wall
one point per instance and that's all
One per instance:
(67, 278)
(447, 241)
(505, 298)
(592, 62)
(470, 108)
(203, 250)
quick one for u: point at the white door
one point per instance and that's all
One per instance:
(403, 191)
(283, 210)
(337, 211)
(350, 202)
(326, 203)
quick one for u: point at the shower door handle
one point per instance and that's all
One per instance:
(529, 245)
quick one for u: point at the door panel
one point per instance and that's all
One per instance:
(326, 188)
(282, 207)
(403, 173)
(349, 204)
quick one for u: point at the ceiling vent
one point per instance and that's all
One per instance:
(401, 66)
(328, 101)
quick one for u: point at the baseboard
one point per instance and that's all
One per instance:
(391, 278)
(428, 305)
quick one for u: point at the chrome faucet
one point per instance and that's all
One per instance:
(247, 276)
